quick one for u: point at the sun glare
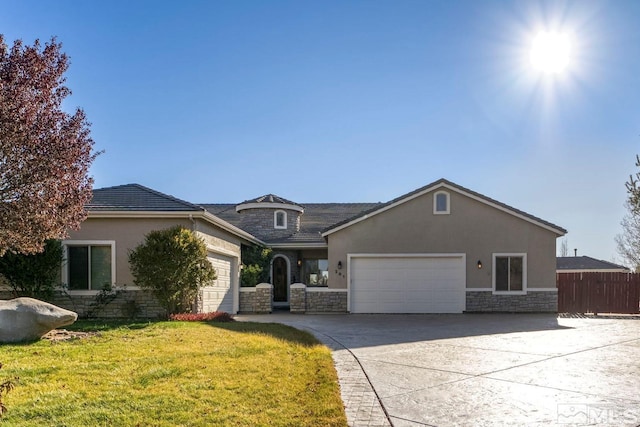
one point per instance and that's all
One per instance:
(550, 52)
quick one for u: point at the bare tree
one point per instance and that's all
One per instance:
(628, 243)
(45, 153)
(564, 248)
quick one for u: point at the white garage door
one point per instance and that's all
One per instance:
(400, 284)
(219, 296)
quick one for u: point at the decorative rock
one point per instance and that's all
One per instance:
(28, 319)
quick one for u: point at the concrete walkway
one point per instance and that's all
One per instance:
(481, 369)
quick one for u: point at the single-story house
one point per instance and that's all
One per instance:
(118, 220)
(439, 249)
(586, 264)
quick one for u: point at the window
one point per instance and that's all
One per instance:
(316, 272)
(441, 203)
(509, 272)
(280, 219)
(89, 266)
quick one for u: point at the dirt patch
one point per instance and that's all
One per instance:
(64, 335)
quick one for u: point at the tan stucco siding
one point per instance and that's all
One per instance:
(472, 228)
(130, 232)
(214, 237)
(127, 233)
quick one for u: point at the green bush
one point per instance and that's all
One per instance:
(256, 261)
(34, 275)
(173, 265)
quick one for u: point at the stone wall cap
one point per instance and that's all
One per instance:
(264, 286)
(298, 286)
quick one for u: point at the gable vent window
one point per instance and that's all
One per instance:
(441, 203)
(280, 220)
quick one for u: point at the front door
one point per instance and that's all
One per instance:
(280, 281)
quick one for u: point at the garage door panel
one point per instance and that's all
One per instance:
(218, 296)
(420, 284)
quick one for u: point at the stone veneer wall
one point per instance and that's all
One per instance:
(129, 304)
(324, 300)
(263, 298)
(247, 300)
(298, 298)
(531, 302)
(260, 223)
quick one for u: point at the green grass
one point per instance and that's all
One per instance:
(173, 374)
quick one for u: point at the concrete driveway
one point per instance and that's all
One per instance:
(481, 369)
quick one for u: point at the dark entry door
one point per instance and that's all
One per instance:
(280, 280)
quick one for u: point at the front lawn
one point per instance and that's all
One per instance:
(173, 374)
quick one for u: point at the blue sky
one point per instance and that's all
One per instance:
(338, 101)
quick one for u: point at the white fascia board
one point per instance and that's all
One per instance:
(178, 214)
(268, 205)
(449, 187)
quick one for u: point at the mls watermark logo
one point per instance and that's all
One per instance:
(594, 414)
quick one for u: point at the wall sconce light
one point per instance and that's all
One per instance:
(479, 264)
(339, 265)
(299, 262)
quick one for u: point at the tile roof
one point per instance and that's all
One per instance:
(270, 198)
(316, 217)
(585, 263)
(439, 183)
(136, 197)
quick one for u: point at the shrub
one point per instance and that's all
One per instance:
(216, 316)
(34, 275)
(256, 261)
(173, 265)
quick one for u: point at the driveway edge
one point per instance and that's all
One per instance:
(362, 406)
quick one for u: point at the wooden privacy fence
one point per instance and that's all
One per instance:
(598, 292)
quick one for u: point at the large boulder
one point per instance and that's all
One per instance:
(28, 319)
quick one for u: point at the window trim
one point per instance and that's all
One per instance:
(524, 273)
(435, 203)
(275, 220)
(65, 255)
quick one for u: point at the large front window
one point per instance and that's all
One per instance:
(89, 266)
(509, 273)
(316, 272)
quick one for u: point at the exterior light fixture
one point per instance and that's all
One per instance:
(299, 262)
(479, 264)
(339, 265)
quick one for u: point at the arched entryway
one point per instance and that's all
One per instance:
(280, 277)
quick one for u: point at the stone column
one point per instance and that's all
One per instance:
(298, 298)
(263, 298)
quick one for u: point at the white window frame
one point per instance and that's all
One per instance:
(524, 273)
(275, 220)
(435, 203)
(65, 270)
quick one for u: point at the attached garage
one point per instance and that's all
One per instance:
(219, 296)
(381, 283)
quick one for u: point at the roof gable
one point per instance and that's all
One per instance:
(136, 197)
(440, 184)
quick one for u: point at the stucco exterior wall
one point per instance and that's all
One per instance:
(472, 227)
(220, 240)
(127, 233)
